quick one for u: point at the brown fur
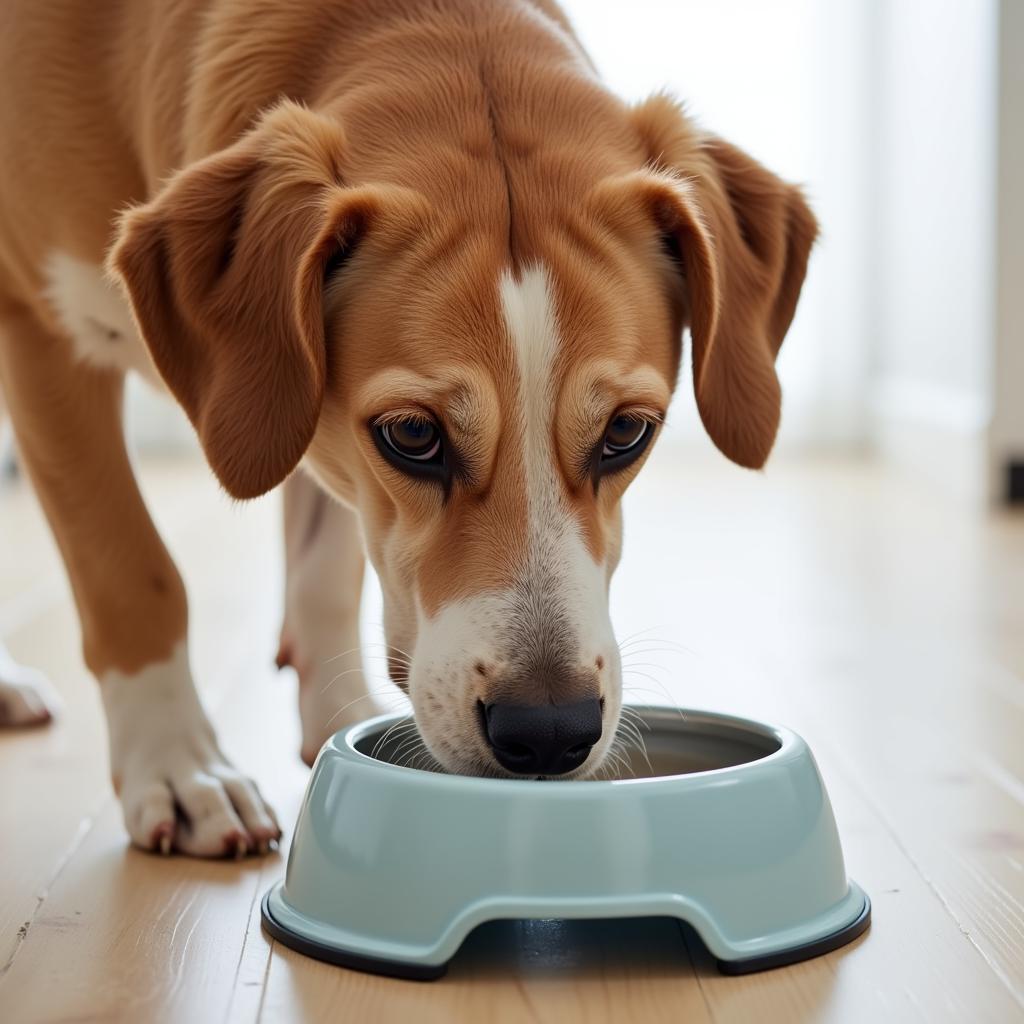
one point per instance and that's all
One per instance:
(429, 145)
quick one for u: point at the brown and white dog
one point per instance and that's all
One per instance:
(411, 250)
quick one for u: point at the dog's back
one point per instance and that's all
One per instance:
(113, 97)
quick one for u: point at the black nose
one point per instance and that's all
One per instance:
(542, 739)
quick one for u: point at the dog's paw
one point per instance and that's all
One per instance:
(192, 801)
(178, 791)
(26, 696)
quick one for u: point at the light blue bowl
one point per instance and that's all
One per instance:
(729, 828)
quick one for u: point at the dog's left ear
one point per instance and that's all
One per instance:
(739, 239)
(225, 270)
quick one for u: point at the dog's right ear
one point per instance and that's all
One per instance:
(225, 271)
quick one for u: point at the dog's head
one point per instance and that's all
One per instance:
(480, 384)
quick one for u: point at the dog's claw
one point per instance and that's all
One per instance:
(165, 844)
(241, 848)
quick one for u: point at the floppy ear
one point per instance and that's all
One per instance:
(225, 271)
(741, 238)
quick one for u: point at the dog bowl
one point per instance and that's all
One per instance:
(726, 826)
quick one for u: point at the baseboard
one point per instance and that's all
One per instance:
(1013, 482)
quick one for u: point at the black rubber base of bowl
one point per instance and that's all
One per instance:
(423, 972)
(331, 955)
(807, 951)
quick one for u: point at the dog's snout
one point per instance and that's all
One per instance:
(543, 739)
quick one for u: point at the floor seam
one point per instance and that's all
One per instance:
(85, 827)
(266, 979)
(257, 889)
(693, 966)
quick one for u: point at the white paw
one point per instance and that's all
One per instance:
(177, 790)
(26, 696)
(193, 801)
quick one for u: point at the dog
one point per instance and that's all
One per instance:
(411, 260)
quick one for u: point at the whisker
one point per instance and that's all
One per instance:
(645, 675)
(621, 763)
(351, 650)
(405, 721)
(411, 742)
(340, 675)
(395, 735)
(363, 696)
(638, 633)
(629, 729)
(379, 624)
(635, 688)
(637, 652)
(408, 761)
(660, 642)
(635, 716)
(427, 762)
(390, 647)
(396, 732)
(662, 691)
(644, 664)
(362, 649)
(420, 758)
(638, 742)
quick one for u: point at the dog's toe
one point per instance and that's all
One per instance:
(212, 826)
(201, 810)
(150, 816)
(258, 818)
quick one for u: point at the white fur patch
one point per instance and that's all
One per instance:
(533, 331)
(96, 317)
(177, 789)
(556, 551)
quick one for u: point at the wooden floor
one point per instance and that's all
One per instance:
(882, 622)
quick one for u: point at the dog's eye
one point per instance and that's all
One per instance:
(625, 434)
(413, 438)
(625, 439)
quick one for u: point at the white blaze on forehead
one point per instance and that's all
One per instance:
(533, 332)
(557, 560)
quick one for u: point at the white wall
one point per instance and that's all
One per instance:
(933, 247)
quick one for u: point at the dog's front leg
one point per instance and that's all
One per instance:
(177, 789)
(320, 635)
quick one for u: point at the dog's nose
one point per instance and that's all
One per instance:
(542, 739)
